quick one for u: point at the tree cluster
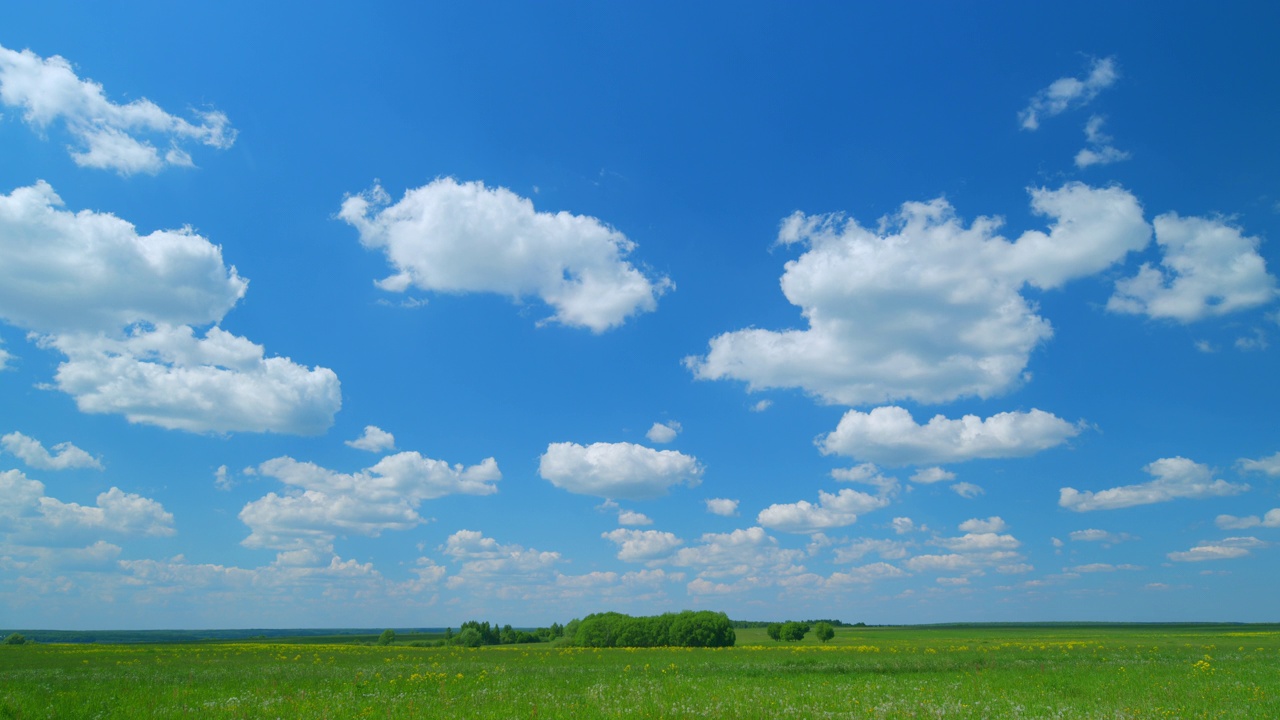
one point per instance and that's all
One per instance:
(474, 634)
(684, 629)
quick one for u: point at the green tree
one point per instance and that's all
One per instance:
(469, 637)
(823, 631)
(15, 639)
(387, 637)
(774, 630)
(794, 631)
(702, 629)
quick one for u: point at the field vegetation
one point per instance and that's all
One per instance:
(1099, 672)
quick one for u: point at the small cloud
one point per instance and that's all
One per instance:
(1231, 522)
(65, 456)
(1175, 478)
(1269, 466)
(904, 525)
(1100, 151)
(967, 490)
(722, 506)
(663, 433)
(1226, 549)
(1068, 92)
(762, 406)
(1102, 536)
(374, 439)
(1258, 341)
(1205, 346)
(990, 525)
(926, 476)
(629, 517)
(222, 479)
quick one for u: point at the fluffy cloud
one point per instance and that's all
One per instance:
(904, 525)
(121, 307)
(742, 552)
(504, 569)
(642, 545)
(1225, 549)
(930, 475)
(923, 307)
(321, 503)
(1267, 465)
(1068, 92)
(92, 272)
(980, 542)
(1209, 268)
(832, 511)
(1100, 150)
(867, 474)
(65, 456)
(167, 376)
(990, 525)
(374, 439)
(1102, 536)
(967, 490)
(110, 136)
(631, 517)
(722, 506)
(890, 436)
(663, 432)
(31, 517)
(456, 237)
(1231, 522)
(1175, 478)
(617, 470)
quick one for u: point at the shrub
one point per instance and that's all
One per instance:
(15, 639)
(387, 637)
(823, 631)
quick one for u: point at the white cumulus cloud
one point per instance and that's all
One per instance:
(65, 456)
(631, 517)
(1268, 465)
(170, 377)
(1175, 478)
(1225, 549)
(1209, 268)
(63, 271)
(110, 136)
(453, 237)
(642, 545)
(617, 470)
(831, 511)
(374, 439)
(922, 307)
(1231, 522)
(320, 504)
(29, 516)
(722, 506)
(121, 306)
(663, 432)
(992, 524)
(890, 436)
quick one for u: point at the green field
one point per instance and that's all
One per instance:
(932, 672)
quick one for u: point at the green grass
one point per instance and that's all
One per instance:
(947, 672)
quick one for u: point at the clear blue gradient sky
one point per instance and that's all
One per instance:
(402, 316)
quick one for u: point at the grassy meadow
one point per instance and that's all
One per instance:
(922, 672)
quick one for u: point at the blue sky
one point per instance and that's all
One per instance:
(407, 316)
